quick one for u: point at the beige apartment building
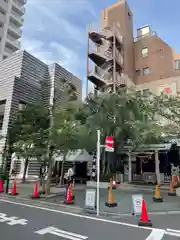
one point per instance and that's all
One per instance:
(11, 20)
(116, 58)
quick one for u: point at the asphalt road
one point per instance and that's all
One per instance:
(29, 221)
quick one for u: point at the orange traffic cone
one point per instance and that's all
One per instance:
(111, 202)
(14, 190)
(157, 196)
(69, 196)
(171, 190)
(35, 192)
(175, 181)
(144, 221)
(1, 186)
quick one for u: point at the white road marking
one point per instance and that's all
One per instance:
(75, 215)
(156, 234)
(61, 233)
(173, 232)
(81, 216)
(12, 220)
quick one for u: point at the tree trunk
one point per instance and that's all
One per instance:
(43, 187)
(25, 170)
(62, 169)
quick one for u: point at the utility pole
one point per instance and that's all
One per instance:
(114, 57)
(87, 61)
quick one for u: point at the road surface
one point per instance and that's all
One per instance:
(29, 221)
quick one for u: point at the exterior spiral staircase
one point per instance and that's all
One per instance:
(106, 54)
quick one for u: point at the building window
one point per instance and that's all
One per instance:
(144, 52)
(146, 71)
(138, 72)
(177, 64)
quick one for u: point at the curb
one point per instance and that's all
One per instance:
(89, 211)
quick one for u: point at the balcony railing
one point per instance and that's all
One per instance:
(150, 34)
(15, 30)
(102, 74)
(17, 18)
(23, 1)
(107, 32)
(14, 43)
(19, 7)
(101, 50)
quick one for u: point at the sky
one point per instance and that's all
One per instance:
(55, 30)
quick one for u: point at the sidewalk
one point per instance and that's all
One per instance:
(124, 201)
(123, 197)
(139, 187)
(26, 189)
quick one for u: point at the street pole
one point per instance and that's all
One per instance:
(98, 169)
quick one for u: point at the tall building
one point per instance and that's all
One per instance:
(21, 81)
(11, 20)
(146, 61)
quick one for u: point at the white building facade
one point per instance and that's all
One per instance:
(11, 21)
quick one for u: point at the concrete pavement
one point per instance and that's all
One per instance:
(124, 200)
(35, 221)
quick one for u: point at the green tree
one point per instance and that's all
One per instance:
(32, 138)
(125, 115)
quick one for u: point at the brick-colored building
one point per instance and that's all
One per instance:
(148, 61)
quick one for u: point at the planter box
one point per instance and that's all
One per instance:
(93, 184)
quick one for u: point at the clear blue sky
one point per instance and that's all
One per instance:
(55, 30)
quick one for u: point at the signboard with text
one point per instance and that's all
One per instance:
(109, 144)
(90, 199)
(137, 204)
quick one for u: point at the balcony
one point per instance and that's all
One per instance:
(14, 31)
(16, 19)
(99, 55)
(99, 77)
(4, 5)
(19, 8)
(2, 17)
(23, 2)
(96, 34)
(7, 52)
(12, 44)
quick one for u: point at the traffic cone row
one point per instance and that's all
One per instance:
(12, 189)
(175, 181)
(69, 196)
(1, 186)
(157, 196)
(110, 202)
(172, 191)
(144, 221)
(35, 192)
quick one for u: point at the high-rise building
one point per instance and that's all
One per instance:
(11, 20)
(117, 58)
(23, 77)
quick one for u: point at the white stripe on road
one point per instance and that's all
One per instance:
(173, 232)
(78, 215)
(59, 232)
(156, 234)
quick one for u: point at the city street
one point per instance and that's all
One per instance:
(34, 221)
